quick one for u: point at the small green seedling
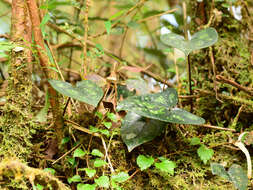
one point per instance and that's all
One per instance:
(202, 39)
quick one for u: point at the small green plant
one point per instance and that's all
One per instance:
(164, 165)
(204, 152)
(202, 39)
(103, 181)
(160, 108)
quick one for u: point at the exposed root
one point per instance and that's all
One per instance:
(12, 168)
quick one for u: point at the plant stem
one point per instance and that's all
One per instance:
(188, 62)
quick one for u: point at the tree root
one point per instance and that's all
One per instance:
(19, 171)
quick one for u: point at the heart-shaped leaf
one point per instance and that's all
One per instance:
(235, 174)
(238, 177)
(85, 91)
(158, 106)
(202, 39)
(144, 162)
(136, 130)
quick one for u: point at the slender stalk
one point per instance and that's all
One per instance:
(44, 62)
(85, 37)
(188, 62)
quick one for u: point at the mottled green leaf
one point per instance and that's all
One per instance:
(81, 186)
(120, 177)
(99, 163)
(75, 178)
(107, 124)
(111, 116)
(96, 152)
(158, 106)
(85, 91)
(90, 172)
(195, 141)
(238, 177)
(166, 166)
(205, 153)
(79, 152)
(218, 169)
(202, 39)
(103, 181)
(136, 130)
(144, 162)
(180, 116)
(166, 99)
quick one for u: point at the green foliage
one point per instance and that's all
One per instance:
(38, 187)
(144, 162)
(195, 141)
(96, 152)
(120, 177)
(85, 91)
(108, 25)
(205, 153)
(235, 174)
(75, 178)
(79, 152)
(202, 39)
(136, 130)
(103, 181)
(90, 172)
(50, 170)
(99, 163)
(166, 166)
(81, 186)
(157, 106)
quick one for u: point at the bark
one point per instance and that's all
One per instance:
(44, 62)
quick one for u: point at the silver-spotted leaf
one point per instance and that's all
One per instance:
(84, 91)
(158, 106)
(202, 39)
(238, 177)
(136, 130)
(150, 104)
(180, 116)
(218, 169)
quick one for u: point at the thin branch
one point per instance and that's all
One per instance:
(139, 4)
(235, 84)
(106, 155)
(157, 15)
(214, 73)
(86, 28)
(218, 128)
